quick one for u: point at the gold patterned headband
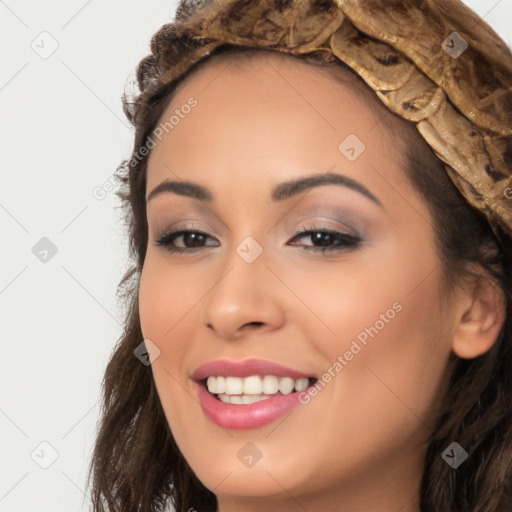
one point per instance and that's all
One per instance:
(435, 63)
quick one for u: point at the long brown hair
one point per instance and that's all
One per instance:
(136, 465)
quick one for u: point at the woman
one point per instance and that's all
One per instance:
(320, 311)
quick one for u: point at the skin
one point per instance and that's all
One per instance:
(359, 445)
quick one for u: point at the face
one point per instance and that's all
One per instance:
(353, 301)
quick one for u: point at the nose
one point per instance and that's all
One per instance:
(246, 297)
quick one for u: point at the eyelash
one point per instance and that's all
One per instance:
(347, 241)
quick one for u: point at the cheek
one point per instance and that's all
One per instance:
(166, 295)
(162, 303)
(168, 318)
(394, 342)
(385, 365)
(393, 337)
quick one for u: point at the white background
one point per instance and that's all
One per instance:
(63, 133)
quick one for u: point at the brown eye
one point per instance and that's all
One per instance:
(192, 239)
(326, 237)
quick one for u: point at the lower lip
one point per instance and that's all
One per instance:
(245, 415)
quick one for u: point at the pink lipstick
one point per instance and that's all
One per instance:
(273, 406)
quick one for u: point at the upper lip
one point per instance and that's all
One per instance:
(245, 368)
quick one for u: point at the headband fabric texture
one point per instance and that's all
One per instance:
(434, 63)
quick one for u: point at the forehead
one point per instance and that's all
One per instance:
(271, 102)
(334, 75)
(292, 70)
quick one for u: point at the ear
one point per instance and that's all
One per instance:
(481, 313)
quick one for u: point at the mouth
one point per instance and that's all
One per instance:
(254, 388)
(249, 393)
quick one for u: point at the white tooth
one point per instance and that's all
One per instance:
(234, 385)
(242, 399)
(211, 383)
(286, 385)
(301, 384)
(255, 385)
(252, 385)
(250, 399)
(270, 385)
(221, 385)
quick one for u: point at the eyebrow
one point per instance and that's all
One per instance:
(280, 192)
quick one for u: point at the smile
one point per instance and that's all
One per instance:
(249, 393)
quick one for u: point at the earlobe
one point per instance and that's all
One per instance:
(480, 319)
